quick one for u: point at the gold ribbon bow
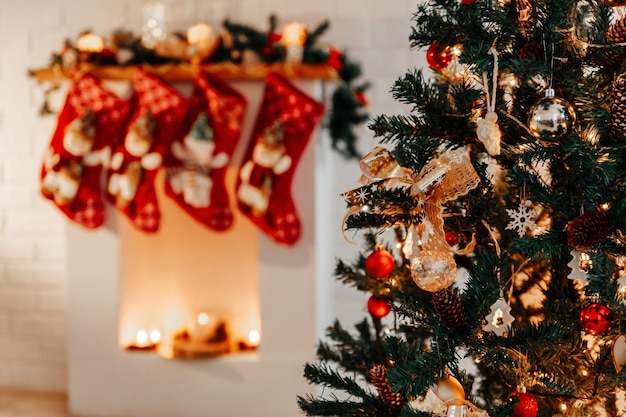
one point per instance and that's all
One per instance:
(396, 195)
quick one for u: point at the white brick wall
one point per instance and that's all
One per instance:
(32, 233)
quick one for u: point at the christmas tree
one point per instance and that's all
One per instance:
(509, 168)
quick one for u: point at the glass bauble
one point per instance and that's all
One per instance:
(438, 56)
(450, 389)
(380, 263)
(433, 270)
(527, 405)
(596, 318)
(551, 117)
(379, 306)
(451, 238)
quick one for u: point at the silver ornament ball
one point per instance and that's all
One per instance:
(551, 117)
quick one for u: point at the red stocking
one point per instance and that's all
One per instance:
(283, 128)
(91, 122)
(196, 178)
(135, 162)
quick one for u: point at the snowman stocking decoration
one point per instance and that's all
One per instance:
(283, 128)
(196, 172)
(91, 122)
(155, 123)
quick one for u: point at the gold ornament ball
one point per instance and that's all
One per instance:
(551, 118)
(450, 389)
(433, 270)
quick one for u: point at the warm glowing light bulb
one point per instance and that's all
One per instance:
(477, 360)
(88, 42)
(155, 336)
(254, 337)
(142, 337)
(585, 372)
(294, 34)
(563, 407)
(199, 33)
(456, 50)
(605, 206)
(498, 318)
(203, 319)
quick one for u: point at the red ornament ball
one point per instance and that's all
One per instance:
(452, 238)
(527, 405)
(379, 306)
(596, 318)
(380, 263)
(467, 2)
(438, 56)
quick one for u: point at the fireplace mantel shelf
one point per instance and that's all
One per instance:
(185, 72)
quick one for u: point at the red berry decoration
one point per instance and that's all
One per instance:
(379, 306)
(452, 238)
(438, 56)
(527, 405)
(380, 263)
(596, 318)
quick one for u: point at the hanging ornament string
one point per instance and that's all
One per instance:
(545, 58)
(487, 129)
(499, 319)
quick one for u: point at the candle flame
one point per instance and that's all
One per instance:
(254, 337)
(142, 337)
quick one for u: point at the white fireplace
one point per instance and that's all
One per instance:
(122, 282)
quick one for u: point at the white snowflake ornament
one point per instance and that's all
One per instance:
(500, 318)
(522, 219)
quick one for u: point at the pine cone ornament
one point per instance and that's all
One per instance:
(378, 377)
(532, 51)
(617, 125)
(450, 309)
(617, 31)
(587, 229)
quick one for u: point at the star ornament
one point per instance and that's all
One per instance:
(500, 318)
(522, 219)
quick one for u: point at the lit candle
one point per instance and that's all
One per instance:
(202, 327)
(142, 338)
(155, 335)
(254, 337)
(293, 38)
(252, 334)
(294, 34)
(201, 40)
(199, 33)
(88, 42)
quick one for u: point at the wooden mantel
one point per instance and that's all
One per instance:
(184, 72)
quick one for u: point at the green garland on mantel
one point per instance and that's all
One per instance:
(238, 44)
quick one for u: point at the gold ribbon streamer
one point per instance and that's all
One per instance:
(443, 179)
